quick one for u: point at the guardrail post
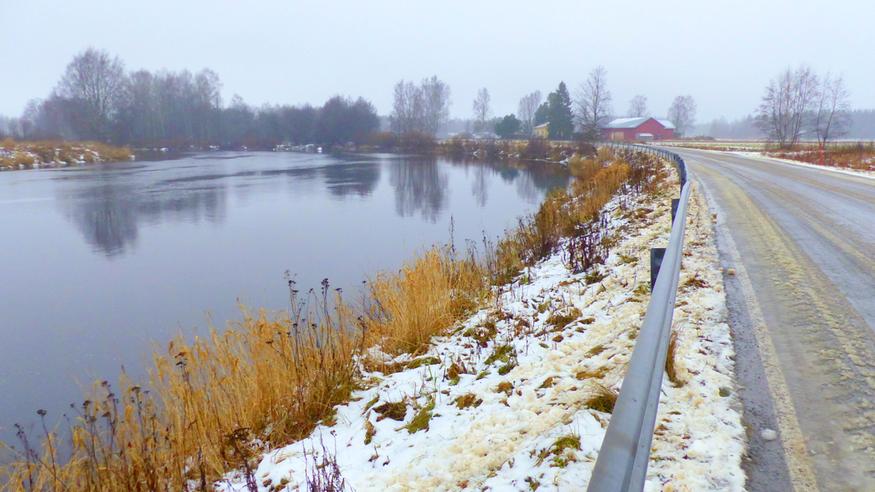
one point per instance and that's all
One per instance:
(656, 256)
(674, 208)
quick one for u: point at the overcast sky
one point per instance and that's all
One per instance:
(290, 51)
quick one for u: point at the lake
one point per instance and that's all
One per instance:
(101, 263)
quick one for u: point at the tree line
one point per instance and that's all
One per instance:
(580, 117)
(97, 99)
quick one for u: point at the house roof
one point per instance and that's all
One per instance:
(542, 125)
(620, 123)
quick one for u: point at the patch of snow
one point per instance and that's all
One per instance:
(853, 172)
(498, 425)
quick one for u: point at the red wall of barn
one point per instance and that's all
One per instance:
(650, 126)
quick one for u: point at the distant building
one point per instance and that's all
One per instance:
(542, 130)
(638, 129)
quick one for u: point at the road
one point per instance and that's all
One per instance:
(800, 243)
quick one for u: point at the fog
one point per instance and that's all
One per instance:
(283, 51)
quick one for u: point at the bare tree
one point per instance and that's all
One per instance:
(832, 116)
(94, 78)
(637, 106)
(594, 103)
(527, 108)
(407, 108)
(682, 113)
(420, 108)
(787, 103)
(436, 104)
(482, 111)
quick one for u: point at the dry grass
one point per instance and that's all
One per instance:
(268, 380)
(602, 398)
(533, 149)
(572, 213)
(859, 155)
(671, 369)
(406, 309)
(14, 154)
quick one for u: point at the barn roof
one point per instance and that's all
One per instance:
(620, 123)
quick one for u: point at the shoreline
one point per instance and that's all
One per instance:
(328, 365)
(523, 409)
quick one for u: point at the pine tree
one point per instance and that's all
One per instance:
(559, 113)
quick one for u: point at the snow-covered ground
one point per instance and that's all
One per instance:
(23, 156)
(843, 170)
(508, 401)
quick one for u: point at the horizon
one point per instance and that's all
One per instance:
(241, 46)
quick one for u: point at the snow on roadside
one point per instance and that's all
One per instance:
(508, 400)
(853, 172)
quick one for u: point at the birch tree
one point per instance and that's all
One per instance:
(482, 110)
(637, 107)
(528, 107)
(435, 104)
(95, 79)
(407, 108)
(787, 103)
(594, 103)
(832, 116)
(421, 108)
(682, 113)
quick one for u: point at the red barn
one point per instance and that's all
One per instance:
(636, 129)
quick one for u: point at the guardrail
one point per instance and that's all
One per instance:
(625, 452)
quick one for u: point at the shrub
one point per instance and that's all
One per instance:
(536, 148)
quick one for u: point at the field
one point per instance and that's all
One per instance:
(858, 156)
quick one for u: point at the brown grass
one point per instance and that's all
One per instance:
(858, 155)
(272, 379)
(602, 398)
(671, 360)
(406, 309)
(27, 153)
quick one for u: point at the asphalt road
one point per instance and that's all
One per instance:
(801, 294)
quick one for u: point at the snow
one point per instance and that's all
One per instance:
(853, 172)
(508, 438)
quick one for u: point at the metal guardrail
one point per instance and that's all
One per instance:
(625, 452)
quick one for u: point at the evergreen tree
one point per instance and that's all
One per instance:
(508, 126)
(559, 113)
(542, 115)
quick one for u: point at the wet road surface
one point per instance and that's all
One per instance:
(801, 293)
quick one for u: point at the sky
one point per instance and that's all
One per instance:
(722, 53)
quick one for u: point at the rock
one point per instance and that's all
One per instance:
(730, 271)
(769, 434)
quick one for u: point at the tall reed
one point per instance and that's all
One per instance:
(213, 403)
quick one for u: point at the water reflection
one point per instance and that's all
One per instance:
(110, 205)
(420, 186)
(109, 214)
(352, 178)
(163, 242)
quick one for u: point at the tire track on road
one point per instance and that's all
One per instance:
(824, 346)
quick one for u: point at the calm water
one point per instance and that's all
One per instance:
(99, 263)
